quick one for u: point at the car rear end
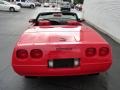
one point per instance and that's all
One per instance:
(89, 55)
(37, 3)
(65, 6)
(61, 60)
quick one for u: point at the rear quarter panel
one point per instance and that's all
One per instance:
(90, 38)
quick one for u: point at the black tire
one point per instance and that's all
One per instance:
(12, 9)
(32, 6)
(19, 4)
(95, 74)
(30, 77)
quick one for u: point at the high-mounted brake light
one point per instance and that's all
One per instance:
(21, 53)
(90, 52)
(103, 51)
(36, 53)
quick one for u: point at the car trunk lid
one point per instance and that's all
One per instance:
(51, 35)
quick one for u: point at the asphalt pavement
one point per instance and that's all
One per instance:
(12, 25)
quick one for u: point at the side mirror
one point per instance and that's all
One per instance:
(32, 21)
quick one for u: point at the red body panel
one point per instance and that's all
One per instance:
(72, 41)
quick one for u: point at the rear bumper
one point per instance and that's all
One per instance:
(42, 70)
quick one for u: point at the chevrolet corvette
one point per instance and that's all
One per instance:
(60, 44)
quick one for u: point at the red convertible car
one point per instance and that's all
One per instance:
(59, 44)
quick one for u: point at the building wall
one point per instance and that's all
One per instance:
(105, 15)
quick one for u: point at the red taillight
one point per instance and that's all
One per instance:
(22, 53)
(103, 51)
(90, 52)
(36, 53)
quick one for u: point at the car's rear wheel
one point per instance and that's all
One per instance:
(95, 74)
(32, 6)
(12, 9)
(30, 77)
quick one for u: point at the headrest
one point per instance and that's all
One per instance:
(73, 22)
(44, 23)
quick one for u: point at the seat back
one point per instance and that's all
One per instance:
(73, 22)
(44, 23)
